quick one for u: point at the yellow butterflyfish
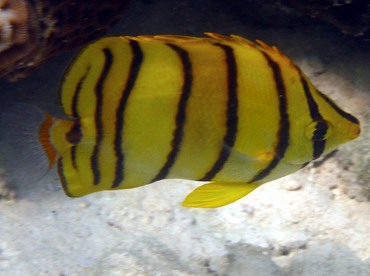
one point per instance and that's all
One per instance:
(220, 109)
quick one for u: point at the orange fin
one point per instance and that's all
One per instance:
(44, 138)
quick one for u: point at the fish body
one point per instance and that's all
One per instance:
(219, 109)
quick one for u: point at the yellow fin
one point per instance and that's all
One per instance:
(215, 194)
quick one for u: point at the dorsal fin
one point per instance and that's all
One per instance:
(213, 38)
(263, 47)
(169, 38)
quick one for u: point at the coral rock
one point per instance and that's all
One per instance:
(32, 31)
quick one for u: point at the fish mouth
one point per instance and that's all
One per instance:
(354, 131)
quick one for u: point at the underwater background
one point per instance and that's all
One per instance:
(313, 222)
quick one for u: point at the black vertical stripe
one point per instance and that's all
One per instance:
(181, 112)
(63, 180)
(318, 145)
(73, 157)
(231, 112)
(338, 110)
(74, 111)
(74, 136)
(76, 93)
(137, 59)
(283, 132)
(98, 113)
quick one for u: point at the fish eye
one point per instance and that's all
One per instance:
(318, 130)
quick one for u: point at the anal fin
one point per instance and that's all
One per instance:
(214, 194)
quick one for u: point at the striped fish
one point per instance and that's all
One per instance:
(219, 109)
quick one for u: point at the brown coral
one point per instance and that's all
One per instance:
(13, 20)
(32, 31)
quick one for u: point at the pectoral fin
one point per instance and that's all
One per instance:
(214, 195)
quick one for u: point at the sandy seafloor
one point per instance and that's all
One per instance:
(313, 222)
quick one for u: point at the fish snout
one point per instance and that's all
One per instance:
(353, 131)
